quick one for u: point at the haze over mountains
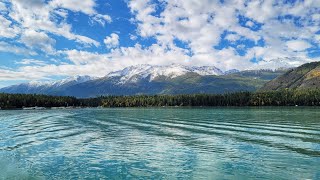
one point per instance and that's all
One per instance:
(149, 79)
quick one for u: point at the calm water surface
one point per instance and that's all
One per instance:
(161, 143)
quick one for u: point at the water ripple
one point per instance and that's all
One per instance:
(242, 143)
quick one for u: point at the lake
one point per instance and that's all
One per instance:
(161, 143)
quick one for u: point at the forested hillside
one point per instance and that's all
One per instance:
(306, 76)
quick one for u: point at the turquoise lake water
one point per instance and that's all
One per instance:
(161, 143)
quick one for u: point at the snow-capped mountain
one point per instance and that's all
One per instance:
(66, 81)
(130, 74)
(149, 72)
(149, 79)
(46, 87)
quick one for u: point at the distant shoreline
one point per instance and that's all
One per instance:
(145, 107)
(47, 108)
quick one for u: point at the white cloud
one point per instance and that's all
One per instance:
(7, 30)
(101, 19)
(62, 13)
(3, 6)
(19, 75)
(85, 6)
(38, 40)
(232, 37)
(196, 24)
(249, 23)
(37, 15)
(201, 23)
(298, 45)
(6, 47)
(31, 61)
(83, 57)
(112, 40)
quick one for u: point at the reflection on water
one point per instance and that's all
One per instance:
(163, 143)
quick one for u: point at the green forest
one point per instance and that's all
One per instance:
(284, 97)
(12, 101)
(272, 98)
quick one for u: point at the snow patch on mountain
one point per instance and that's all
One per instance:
(143, 71)
(73, 80)
(231, 71)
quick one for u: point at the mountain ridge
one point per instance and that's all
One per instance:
(153, 71)
(306, 76)
(148, 79)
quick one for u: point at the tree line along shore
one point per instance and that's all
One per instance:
(285, 97)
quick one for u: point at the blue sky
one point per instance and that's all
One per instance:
(52, 39)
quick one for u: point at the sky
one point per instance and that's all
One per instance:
(53, 39)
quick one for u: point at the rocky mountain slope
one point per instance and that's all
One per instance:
(306, 76)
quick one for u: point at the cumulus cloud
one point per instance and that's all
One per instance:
(185, 32)
(201, 24)
(7, 47)
(2, 6)
(83, 57)
(7, 29)
(38, 40)
(37, 15)
(232, 37)
(6, 74)
(112, 40)
(298, 45)
(249, 23)
(85, 6)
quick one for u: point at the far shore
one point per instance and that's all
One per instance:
(140, 107)
(47, 108)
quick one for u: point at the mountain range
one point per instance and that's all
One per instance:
(149, 79)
